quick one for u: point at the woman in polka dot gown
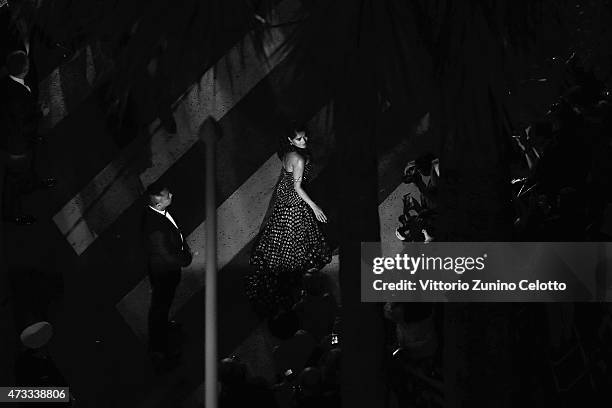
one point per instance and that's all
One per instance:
(291, 243)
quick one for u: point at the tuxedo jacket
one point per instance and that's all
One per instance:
(20, 115)
(165, 249)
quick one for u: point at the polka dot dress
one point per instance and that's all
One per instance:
(290, 244)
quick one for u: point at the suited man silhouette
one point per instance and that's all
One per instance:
(20, 116)
(167, 253)
(20, 110)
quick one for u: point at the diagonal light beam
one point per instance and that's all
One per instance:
(121, 183)
(69, 84)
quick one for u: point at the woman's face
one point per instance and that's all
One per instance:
(299, 140)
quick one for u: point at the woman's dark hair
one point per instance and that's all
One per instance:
(295, 129)
(286, 147)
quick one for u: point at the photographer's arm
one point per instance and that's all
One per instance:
(529, 152)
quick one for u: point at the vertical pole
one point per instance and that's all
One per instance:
(7, 349)
(209, 135)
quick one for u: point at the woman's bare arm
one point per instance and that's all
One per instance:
(297, 163)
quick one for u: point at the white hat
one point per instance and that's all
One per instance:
(36, 335)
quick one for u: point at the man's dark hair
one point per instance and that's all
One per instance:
(17, 63)
(423, 163)
(155, 190)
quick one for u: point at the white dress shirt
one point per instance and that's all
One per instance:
(169, 217)
(20, 81)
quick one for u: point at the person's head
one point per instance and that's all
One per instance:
(36, 335)
(394, 311)
(295, 138)
(159, 196)
(541, 131)
(423, 163)
(284, 324)
(298, 137)
(18, 64)
(576, 95)
(310, 380)
(231, 372)
(543, 204)
(565, 117)
(313, 284)
(330, 366)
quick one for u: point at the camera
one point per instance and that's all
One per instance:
(289, 374)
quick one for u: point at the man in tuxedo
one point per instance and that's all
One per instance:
(20, 114)
(167, 253)
(21, 106)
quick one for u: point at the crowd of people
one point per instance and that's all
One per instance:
(306, 357)
(414, 353)
(561, 179)
(562, 172)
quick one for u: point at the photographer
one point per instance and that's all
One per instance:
(21, 114)
(428, 167)
(417, 220)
